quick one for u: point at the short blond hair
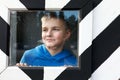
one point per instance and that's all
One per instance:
(56, 15)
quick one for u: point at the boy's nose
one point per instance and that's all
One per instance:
(49, 33)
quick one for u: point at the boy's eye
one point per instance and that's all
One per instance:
(44, 29)
(56, 29)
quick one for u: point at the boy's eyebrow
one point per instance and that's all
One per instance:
(56, 26)
(52, 27)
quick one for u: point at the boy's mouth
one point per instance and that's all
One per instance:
(49, 40)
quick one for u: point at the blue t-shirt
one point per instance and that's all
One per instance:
(40, 56)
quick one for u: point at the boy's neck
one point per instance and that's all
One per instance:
(54, 50)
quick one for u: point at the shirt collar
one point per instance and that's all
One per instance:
(58, 56)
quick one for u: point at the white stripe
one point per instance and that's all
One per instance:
(85, 33)
(13, 4)
(51, 73)
(104, 14)
(13, 73)
(110, 69)
(55, 4)
(3, 61)
(4, 13)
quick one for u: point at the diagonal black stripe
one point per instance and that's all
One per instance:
(82, 73)
(4, 36)
(76, 4)
(34, 73)
(89, 7)
(106, 43)
(86, 9)
(96, 2)
(85, 6)
(34, 4)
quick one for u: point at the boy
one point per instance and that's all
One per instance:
(55, 31)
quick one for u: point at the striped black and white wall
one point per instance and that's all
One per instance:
(99, 40)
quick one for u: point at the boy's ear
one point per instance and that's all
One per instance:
(68, 33)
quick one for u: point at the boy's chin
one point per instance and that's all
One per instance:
(49, 45)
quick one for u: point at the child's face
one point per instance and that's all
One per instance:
(54, 33)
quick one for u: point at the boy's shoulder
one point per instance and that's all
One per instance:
(35, 50)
